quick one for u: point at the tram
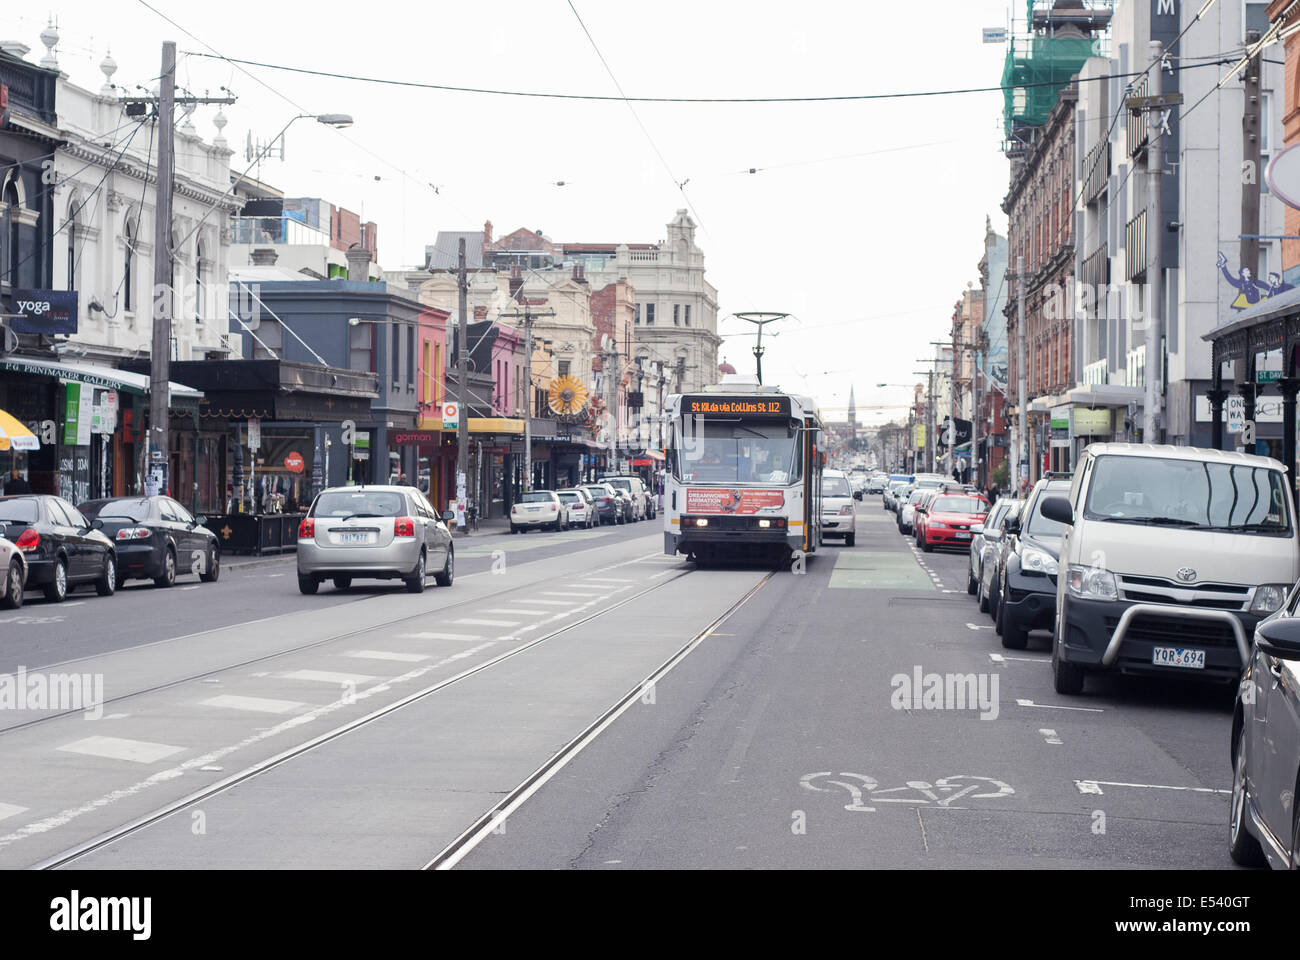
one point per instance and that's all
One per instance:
(744, 473)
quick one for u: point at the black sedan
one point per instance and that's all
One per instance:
(156, 539)
(61, 547)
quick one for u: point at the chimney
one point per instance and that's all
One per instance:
(487, 232)
(516, 280)
(358, 263)
(264, 257)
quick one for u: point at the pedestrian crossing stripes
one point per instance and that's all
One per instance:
(328, 676)
(388, 655)
(252, 704)
(435, 635)
(119, 748)
(10, 810)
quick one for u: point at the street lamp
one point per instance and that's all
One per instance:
(339, 121)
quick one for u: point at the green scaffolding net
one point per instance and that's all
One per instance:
(1036, 69)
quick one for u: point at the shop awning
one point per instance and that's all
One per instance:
(498, 425)
(110, 377)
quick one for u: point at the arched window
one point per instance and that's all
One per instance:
(9, 233)
(128, 238)
(200, 278)
(74, 208)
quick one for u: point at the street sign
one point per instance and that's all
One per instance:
(995, 34)
(1236, 410)
(254, 433)
(451, 416)
(1154, 103)
(1267, 376)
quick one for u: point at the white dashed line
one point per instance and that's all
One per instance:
(328, 676)
(387, 655)
(117, 748)
(9, 810)
(474, 622)
(427, 635)
(1050, 735)
(1094, 786)
(253, 704)
(1057, 706)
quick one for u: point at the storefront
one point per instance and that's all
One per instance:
(91, 422)
(494, 459)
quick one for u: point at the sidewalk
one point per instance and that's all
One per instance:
(486, 528)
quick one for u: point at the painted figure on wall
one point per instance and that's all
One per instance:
(1249, 290)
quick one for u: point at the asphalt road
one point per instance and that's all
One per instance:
(375, 728)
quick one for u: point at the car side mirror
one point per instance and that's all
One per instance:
(449, 516)
(977, 530)
(1280, 638)
(1058, 509)
(1012, 526)
(200, 521)
(97, 523)
(857, 495)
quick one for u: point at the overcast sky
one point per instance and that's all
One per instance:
(869, 250)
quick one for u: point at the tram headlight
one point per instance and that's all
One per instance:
(765, 523)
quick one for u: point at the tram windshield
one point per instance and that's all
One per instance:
(729, 451)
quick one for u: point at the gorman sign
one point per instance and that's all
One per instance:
(44, 311)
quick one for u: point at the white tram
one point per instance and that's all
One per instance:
(744, 473)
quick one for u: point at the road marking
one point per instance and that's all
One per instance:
(553, 603)
(470, 637)
(327, 676)
(1001, 658)
(1057, 706)
(75, 603)
(9, 810)
(1049, 735)
(253, 704)
(474, 622)
(984, 626)
(117, 748)
(183, 589)
(559, 593)
(518, 611)
(656, 576)
(211, 768)
(272, 576)
(609, 580)
(116, 716)
(924, 841)
(1094, 786)
(387, 655)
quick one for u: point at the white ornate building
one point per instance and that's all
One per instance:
(105, 181)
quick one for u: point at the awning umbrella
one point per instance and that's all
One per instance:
(14, 435)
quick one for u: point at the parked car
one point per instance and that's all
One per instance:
(948, 520)
(13, 575)
(376, 533)
(982, 534)
(838, 513)
(998, 543)
(642, 503)
(582, 512)
(609, 506)
(907, 510)
(1027, 587)
(894, 493)
(62, 549)
(538, 508)
(156, 539)
(1264, 817)
(1173, 555)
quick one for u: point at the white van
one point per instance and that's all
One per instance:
(1170, 557)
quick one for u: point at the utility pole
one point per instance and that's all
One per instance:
(1155, 243)
(1250, 147)
(163, 304)
(462, 377)
(611, 382)
(527, 316)
(760, 319)
(1020, 439)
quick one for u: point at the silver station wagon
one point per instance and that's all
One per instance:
(377, 533)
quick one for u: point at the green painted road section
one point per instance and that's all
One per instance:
(878, 570)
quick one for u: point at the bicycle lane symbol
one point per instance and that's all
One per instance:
(944, 792)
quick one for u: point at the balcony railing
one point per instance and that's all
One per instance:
(1095, 374)
(1096, 272)
(1137, 124)
(1097, 170)
(277, 230)
(1135, 247)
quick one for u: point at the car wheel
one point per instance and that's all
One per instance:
(926, 546)
(1242, 845)
(971, 583)
(513, 528)
(851, 539)
(308, 585)
(168, 571)
(342, 583)
(56, 591)
(213, 571)
(13, 598)
(106, 585)
(983, 599)
(1067, 678)
(415, 582)
(448, 572)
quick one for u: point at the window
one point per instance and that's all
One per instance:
(636, 310)
(410, 356)
(427, 372)
(687, 316)
(564, 368)
(361, 348)
(200, 277)
(9, 235)
(73, 207)
(1254, 17)
(649, 314)
(677, 308)
(128, 244)
(395, 350)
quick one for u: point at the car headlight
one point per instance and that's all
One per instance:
(846, 510)
(1268, 597)
(1091, 583)
(1038, 561)
(937, 525)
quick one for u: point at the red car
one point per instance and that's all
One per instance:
(948, 520)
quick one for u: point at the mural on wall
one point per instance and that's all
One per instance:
(1249, 290)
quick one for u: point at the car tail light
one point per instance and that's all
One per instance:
(134, 533)
(307, 529)
(28, 541)
(403, 527)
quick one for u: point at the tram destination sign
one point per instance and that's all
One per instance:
(736, 406)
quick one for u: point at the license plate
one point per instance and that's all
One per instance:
(1179, 657)
(961, 535)
(355, 538)
(534, 509)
